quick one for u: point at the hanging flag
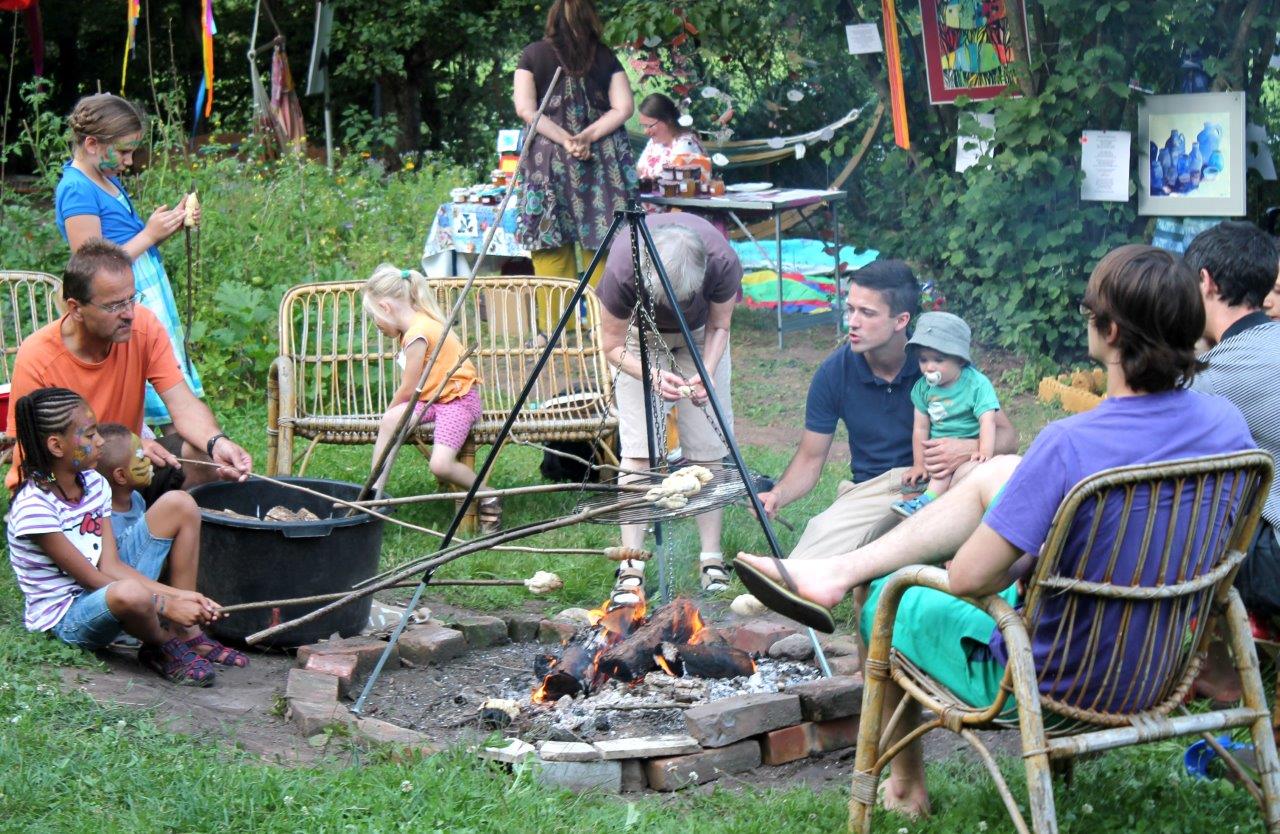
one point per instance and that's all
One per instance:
(133, 9)
(35, 31)
(893, 63)
(207, 31)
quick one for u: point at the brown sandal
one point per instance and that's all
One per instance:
(628, 587)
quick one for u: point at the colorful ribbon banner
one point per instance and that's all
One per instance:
(893, 63)
(133, 10)
(207, 31)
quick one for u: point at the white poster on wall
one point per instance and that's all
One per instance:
(1104, 160)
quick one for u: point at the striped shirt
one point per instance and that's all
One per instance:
(49, 590)
(1244, 367)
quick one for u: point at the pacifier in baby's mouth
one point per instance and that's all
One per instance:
(933, 377)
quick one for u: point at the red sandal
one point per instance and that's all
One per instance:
(218, 653)
(177, 663)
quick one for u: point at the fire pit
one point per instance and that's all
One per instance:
(625, 645)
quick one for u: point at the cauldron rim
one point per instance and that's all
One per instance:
(211, 516)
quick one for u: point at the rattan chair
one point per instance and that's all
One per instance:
(336, 372)
(1183, 594)
(28, 301)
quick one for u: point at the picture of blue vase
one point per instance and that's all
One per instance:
(1157, 176)
(1166, 163)
(1213, 166)
(1208, 139)
(1195, 163)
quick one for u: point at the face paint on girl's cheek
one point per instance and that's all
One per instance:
(110, 160)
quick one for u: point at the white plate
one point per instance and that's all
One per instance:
(748, 187)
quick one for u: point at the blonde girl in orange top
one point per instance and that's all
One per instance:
(403, 306)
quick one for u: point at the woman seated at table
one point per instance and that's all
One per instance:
(660, 120)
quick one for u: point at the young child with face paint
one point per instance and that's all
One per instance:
(952, 399)
(91, 201)
(77, 585)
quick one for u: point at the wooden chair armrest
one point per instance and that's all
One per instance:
(280, 391)
(1010, 623)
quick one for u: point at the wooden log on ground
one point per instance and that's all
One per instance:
(714, 660)
(632, 658)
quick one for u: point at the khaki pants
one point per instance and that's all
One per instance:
(857, 510)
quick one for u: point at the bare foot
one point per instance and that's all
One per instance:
(910, 800)
(813, 578)
(1218, 681)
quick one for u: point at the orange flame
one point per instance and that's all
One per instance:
(662, 664)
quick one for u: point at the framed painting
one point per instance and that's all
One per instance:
(967, 48)
(1191, 155)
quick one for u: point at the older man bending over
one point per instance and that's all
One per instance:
(104, 348)
(705, 275)
(1144, 317)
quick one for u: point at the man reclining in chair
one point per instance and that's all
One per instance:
(1144, 314)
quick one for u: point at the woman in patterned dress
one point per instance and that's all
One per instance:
(579, 167)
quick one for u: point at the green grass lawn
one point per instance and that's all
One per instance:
(69, 765)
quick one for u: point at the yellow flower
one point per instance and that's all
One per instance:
(408, 166)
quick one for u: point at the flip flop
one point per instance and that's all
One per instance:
(785, 602)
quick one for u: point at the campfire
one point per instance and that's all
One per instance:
(625, 645)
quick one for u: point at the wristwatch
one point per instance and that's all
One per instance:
(213, 441)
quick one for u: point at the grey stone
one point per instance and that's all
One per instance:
(309, 685)
(582, 776)
(510, 753)
(792, 647)
(431, 643)
(681, 771)
(633, 778)
(522, 628)
(829, 698)
(482, 631)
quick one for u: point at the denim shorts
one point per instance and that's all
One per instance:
(89, 623)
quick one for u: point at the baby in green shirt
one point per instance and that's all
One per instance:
(952, 399)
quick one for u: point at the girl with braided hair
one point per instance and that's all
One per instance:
(91, 202)
(77, 586)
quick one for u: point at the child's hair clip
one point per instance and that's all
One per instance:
(405, 274)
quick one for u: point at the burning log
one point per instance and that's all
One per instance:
(574, 671)
(714, 660)
(632, 658)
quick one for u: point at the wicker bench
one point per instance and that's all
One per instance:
(28, 301)
(335, 372)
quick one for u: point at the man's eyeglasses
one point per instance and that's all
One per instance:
(118, 306)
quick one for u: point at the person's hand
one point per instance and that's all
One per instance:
(914, 475)
(164, 222)
(980, 457)
(699, 390)
(234, 463)
(182, 611)
(769, 501)
(212, 610)
(668, 386)
(942, 455)
(579, 146)
(159, 455)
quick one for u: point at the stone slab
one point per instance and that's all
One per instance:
(648, 747)
(482, 631)
(682, 771)
(582, 776)
(431, 644)
(837, 645)
(555, 633)
(510, 753)
(792, 647)
(755, 637)
(728, 720)
(314, 718)
(849, 666)
(311, 685)
(567, 751)
(633, 778)
(829, 698)
(786, 745)
(522, 628)
(384, 732)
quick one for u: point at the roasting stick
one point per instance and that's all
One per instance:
(390, 451)
(441, 557)
(273, 603)
(572, 551)
(494, 492)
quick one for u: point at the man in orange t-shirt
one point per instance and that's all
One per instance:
(105, 347)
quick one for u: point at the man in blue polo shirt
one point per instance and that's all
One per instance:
(867, 385)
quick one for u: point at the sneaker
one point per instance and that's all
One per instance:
(906, 508)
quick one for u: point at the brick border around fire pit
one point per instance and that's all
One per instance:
(727, 736)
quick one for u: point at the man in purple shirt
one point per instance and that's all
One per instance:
(1144, 317)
